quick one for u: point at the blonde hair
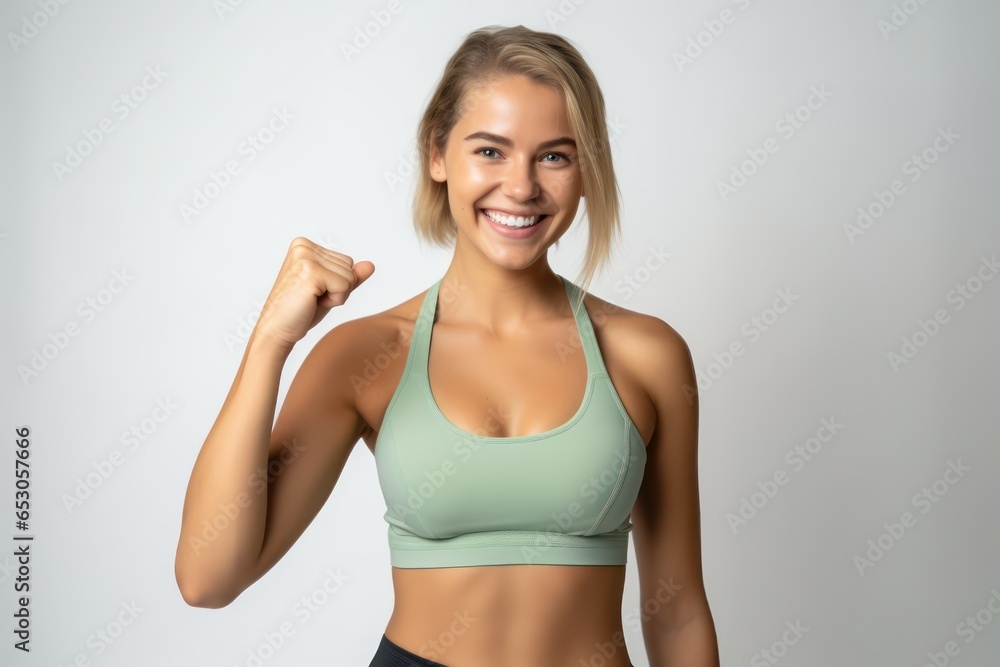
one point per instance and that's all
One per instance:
(549, 59)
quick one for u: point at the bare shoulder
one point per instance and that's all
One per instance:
(354, 352)
(653, 351)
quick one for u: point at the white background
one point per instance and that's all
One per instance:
(679, 130)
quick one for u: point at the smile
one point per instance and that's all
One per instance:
(513, 220)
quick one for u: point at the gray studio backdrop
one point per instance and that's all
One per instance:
(809, 198)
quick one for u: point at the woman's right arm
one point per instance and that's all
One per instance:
(253, 490)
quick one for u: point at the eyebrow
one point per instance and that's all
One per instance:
(504, 141)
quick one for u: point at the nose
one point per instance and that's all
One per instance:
(520, 180)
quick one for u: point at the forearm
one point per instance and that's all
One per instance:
(691, 644)
(225, 507)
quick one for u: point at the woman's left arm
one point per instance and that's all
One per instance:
(677, 625)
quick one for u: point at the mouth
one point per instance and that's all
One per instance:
(513, 221)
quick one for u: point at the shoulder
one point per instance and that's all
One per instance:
(655, 353)
(356, 350)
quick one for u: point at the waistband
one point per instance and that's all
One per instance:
(392, 655)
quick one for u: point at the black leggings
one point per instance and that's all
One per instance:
(391, 655)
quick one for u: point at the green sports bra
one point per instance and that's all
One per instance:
(458, 499)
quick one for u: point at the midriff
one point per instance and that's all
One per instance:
(497, 616)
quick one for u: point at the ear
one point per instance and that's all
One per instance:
(436, 165)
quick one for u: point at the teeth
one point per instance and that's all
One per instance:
(511, 221)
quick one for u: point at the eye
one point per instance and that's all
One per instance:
(565, 158)
(482, 150)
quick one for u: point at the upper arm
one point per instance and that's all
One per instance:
(666, 516)
(316, 430)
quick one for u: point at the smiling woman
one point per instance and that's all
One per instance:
(541, 188)
(489, 75)
(513, 468)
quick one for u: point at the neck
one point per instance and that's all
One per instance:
(497, 299)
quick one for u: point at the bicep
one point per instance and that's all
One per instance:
(316, 430)
(666, 516)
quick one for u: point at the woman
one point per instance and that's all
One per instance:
(512, 486)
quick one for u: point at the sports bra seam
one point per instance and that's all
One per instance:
(622, 474)
(629, 424)
(578, 541)
(404, 483)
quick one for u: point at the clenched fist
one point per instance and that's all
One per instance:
(312, 280)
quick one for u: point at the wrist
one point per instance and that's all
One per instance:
(262, 343)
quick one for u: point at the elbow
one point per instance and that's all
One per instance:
(204, 596)
(197, 591)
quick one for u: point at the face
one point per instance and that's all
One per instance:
(512, 154)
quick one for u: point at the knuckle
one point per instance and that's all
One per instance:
(299, 253)
(304, 267)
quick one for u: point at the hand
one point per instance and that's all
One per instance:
(312, 280)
